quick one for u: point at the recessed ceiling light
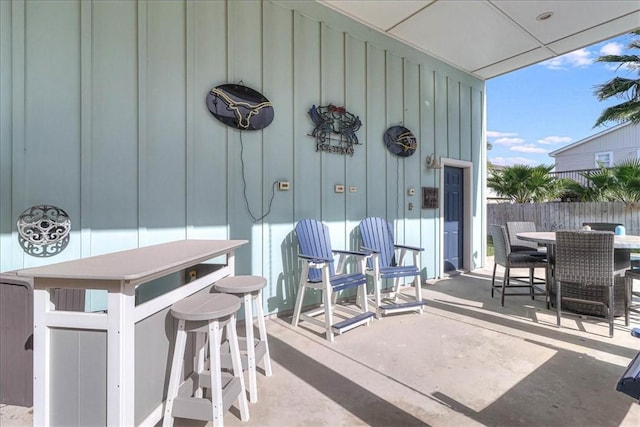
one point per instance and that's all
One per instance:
(544, 16)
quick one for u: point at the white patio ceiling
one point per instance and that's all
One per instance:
(491, 37)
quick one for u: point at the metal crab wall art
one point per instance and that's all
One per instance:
(333, 120)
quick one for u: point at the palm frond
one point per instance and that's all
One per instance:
(623, 59)
(618, 86)
(625, 112)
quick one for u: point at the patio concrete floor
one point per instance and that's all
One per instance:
(466, 361)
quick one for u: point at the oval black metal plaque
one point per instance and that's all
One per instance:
(240, 107)
(400, 141)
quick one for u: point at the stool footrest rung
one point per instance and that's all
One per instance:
(200, 408)
(352, 322)
(405, 306)
(225, 356)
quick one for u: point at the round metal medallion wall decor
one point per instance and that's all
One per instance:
(44, 230)
(400, 141)
(240, 107)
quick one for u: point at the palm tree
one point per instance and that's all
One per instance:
(621, 182)
(620, 87)
(525, 184)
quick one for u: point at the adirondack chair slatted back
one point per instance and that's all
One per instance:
(314, 240)
(377, 233)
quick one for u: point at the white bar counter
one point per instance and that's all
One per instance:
(111, 367)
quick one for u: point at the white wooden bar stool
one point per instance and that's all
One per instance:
(205, 314)
(250, 287)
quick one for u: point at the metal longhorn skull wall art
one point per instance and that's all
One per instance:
(333, 120)
(240, 107)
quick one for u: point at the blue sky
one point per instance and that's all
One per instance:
(543, 107)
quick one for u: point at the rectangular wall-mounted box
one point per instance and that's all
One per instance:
(283, 185)
(429, 197)
(339, 188)
(353, 189)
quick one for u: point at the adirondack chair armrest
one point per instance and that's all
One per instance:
(369, 250)
(409, 248)
(315, 259)
(347, 253)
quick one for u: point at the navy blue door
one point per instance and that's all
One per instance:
(453, 215)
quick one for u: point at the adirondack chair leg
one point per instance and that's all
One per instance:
(416, 280)
(334, 298)
(378, 284)
(418, 286)
(299, 298)
(361, 296)
(328, 313)
(396, 289)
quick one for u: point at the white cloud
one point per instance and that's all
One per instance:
(510, 161)
(580, 58)
(612, 48)
(508, 141)
(529, 148)
(553, 139)
(496, 134)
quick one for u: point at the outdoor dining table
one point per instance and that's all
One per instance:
(622, 245)
(549, 238)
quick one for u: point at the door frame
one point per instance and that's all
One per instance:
(467, 217)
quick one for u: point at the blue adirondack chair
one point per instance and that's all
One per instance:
(319, 272)
(377, 237)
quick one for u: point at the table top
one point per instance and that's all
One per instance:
(136, 264)
(549, 238)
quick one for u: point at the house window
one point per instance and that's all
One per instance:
(605, 159)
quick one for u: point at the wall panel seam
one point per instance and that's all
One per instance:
(18, 92)
(189, 120)
(86, 129)
(142, 120)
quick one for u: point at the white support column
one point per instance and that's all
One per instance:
(231, 261)
(41, 359)
(121, 357)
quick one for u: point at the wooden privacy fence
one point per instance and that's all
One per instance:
(566, 216)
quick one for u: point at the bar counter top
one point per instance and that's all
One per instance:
(136, 264)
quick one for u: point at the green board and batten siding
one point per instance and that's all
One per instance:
(103, 114)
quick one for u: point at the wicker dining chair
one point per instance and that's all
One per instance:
(523, 246)
(621, 257)
(584, 271)
(504, 257)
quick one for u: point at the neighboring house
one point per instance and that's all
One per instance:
(610, 147)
